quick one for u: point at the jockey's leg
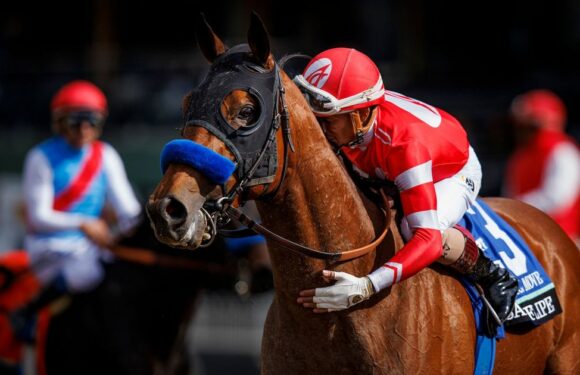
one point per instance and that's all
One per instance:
(461, 253)
(23, 320)
(84, 271)
(499, 287)
(453, 246)
(78, 272)
(454, 197)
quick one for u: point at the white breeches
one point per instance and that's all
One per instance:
(79, 260)
(454, 195)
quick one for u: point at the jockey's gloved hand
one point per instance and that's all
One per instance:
(98, 231)
(346, 292)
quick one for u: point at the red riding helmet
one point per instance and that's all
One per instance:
(540, 108)
(341, 80)
(77, 95)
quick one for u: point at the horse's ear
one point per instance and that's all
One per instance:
(259, 41)
(210, 44)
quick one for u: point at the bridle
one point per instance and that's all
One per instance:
(258, 171)
(305, 250)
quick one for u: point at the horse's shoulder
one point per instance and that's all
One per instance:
(423, 299)
(435, 288)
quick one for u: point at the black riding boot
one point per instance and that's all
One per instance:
(23, 320)
(499, 286)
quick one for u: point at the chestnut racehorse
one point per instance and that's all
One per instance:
(423, 325)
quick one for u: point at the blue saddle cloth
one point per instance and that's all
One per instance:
(536, 301)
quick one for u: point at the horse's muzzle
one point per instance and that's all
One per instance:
(175, 224)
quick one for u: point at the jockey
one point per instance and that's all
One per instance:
(67, 181)
(425, 152)
(544, 170)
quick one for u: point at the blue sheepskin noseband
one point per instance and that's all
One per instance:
(212, 165)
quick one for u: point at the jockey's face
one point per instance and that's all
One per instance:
(338, 129)
(81, 128)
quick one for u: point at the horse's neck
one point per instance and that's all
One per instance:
(318, 204)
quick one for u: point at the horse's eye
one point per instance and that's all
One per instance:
(247, 114)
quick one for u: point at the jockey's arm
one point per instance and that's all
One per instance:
(38, 193)
(412, 167)
(119, 191)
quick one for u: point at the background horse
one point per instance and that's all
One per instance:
(421, 325)
(135, 322)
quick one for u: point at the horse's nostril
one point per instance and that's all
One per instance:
(173, 210)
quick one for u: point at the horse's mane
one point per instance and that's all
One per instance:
(365, 189)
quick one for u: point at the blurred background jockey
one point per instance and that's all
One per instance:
(67, 181)
(544, 170)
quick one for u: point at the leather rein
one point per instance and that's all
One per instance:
(244, 219)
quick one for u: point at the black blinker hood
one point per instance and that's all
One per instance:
(236, 70)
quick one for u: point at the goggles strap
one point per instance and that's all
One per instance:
(370, 119)
(333, 105)
(357, 128)
(361, 127)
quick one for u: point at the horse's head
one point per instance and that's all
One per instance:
(231, 140)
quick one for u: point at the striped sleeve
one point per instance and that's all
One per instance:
(411, 167)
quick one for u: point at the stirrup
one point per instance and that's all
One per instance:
(488, 305)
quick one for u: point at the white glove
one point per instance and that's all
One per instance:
(346, 292)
